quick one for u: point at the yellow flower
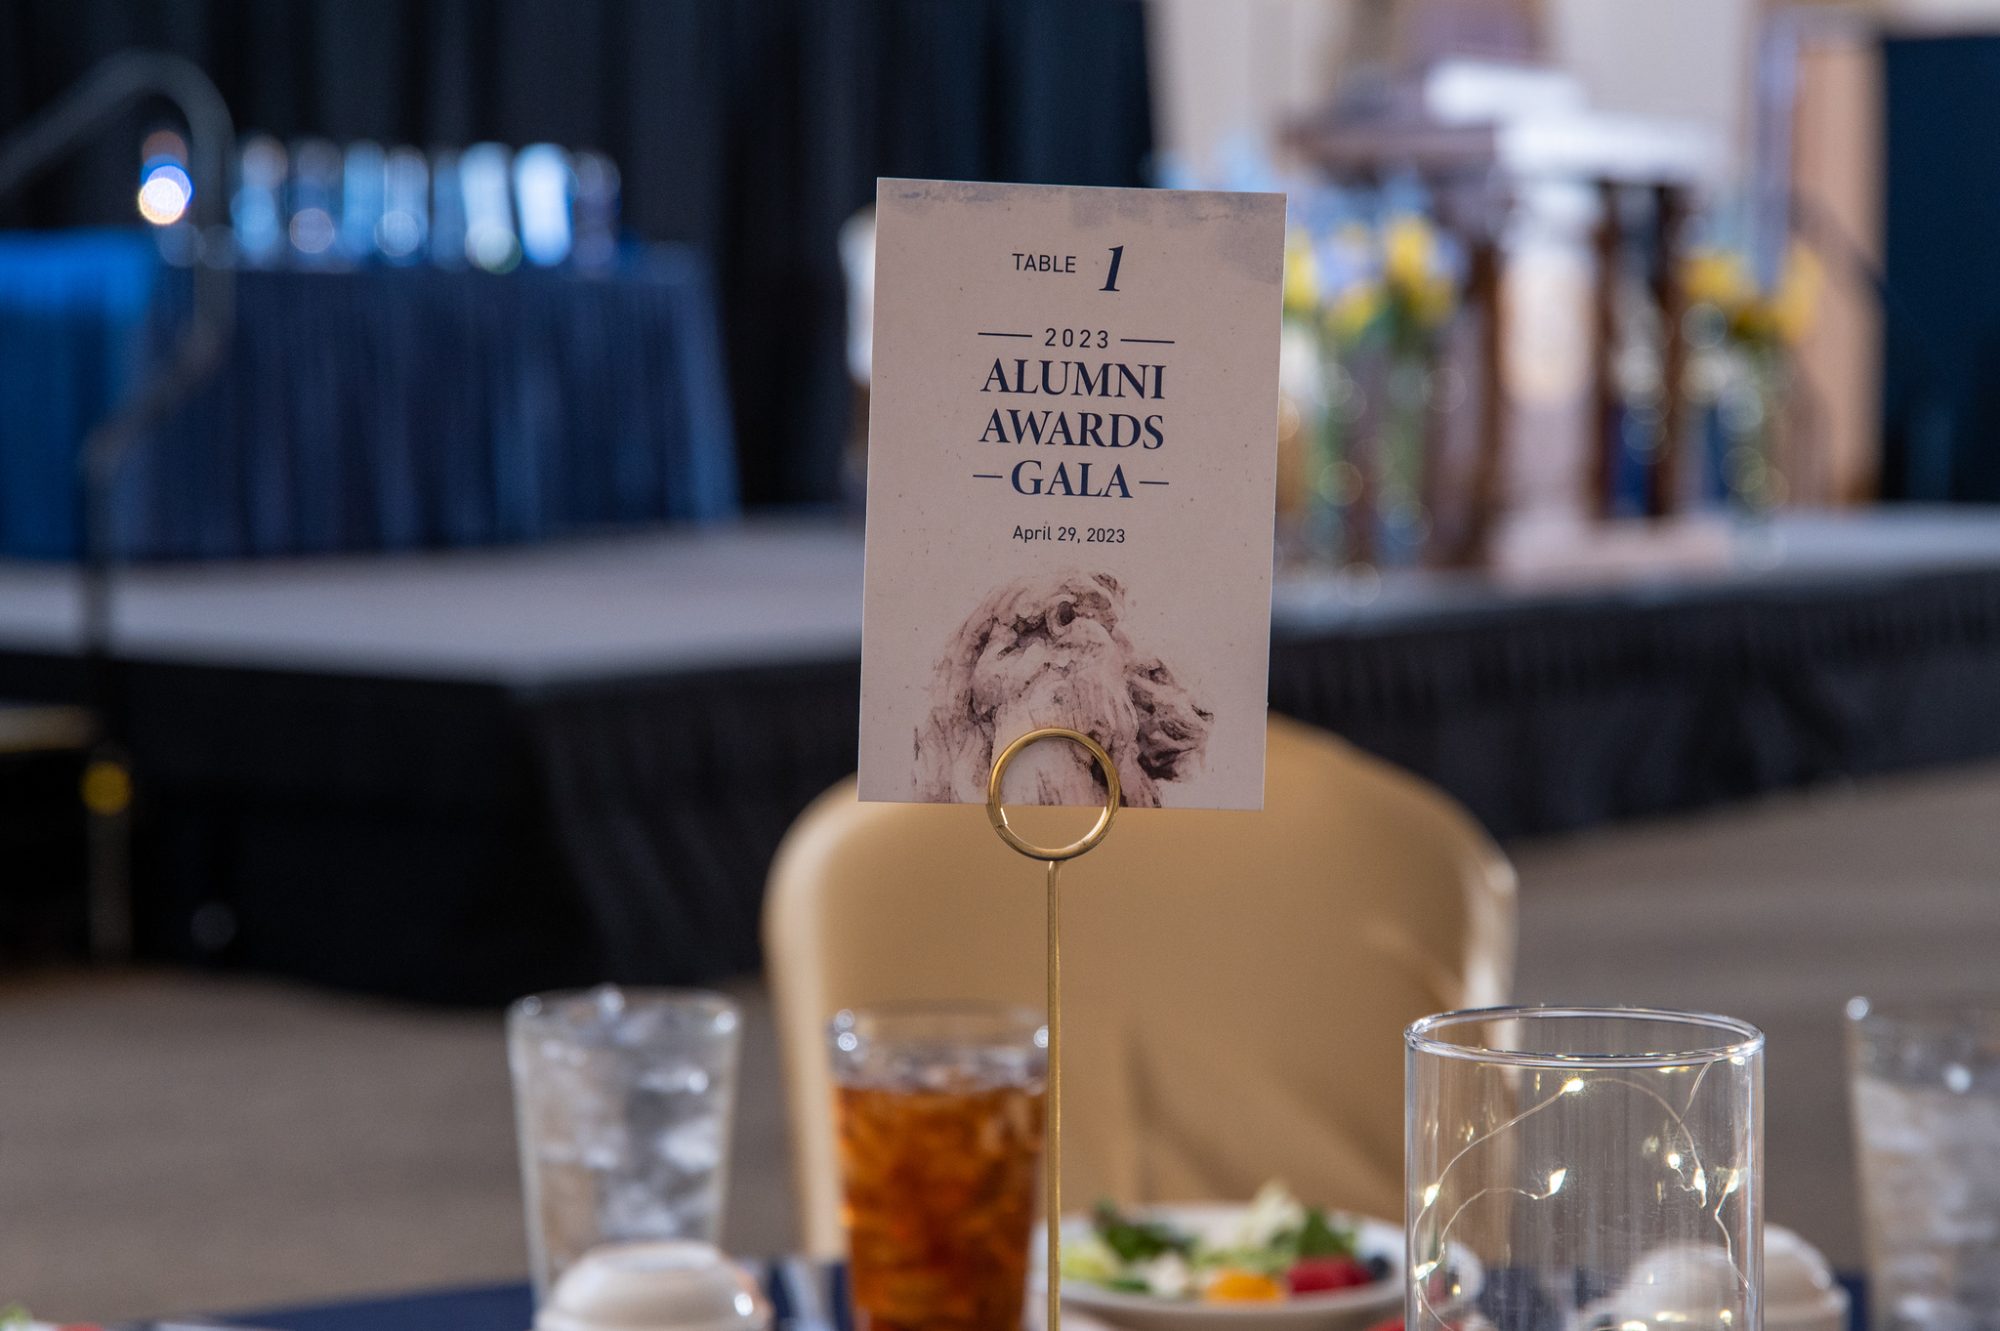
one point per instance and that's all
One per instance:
(1354, 309)
(1755, 320)
(1720, 278)
(1301, 275)
(1433, 300)
(1798, 294)
(1409, 251)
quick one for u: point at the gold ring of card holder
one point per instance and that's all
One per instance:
(997, 814)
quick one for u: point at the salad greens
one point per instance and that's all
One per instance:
(1261, 1255)
(1137, 1240)
(1318, 1238)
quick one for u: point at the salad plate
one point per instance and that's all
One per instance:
(1271, 1265)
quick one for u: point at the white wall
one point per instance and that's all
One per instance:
(1976, 14)
(1227, 68)
(1686, 58)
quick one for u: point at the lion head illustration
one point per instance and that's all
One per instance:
(1047, 651)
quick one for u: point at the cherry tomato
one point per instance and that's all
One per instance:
(1317, 1275)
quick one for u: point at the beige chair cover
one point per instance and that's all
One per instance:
(1236, 984)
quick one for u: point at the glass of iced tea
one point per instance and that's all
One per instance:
(940, 1123)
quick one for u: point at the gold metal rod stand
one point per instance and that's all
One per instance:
(1052, 1140)
(1054, 856)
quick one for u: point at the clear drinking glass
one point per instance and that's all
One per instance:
(1926, 1094)
(1584, 1168)
(940, 1122)
(623, 1102)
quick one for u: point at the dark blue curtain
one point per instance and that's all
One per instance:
(1941, 261)
(748, 128)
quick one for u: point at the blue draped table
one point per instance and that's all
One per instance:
(378, 409)
(804, 1297)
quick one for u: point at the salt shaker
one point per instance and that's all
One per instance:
(659, 1285)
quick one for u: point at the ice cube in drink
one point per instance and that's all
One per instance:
(624, 1102)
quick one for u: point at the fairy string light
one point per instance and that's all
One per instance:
(1682, 1158)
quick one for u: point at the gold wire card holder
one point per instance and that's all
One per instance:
(1054, 857)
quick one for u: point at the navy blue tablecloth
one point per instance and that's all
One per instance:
(369, 410)
(496, 1308)
(804, 1297)
(73, 313)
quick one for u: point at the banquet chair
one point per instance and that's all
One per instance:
(1235, 984)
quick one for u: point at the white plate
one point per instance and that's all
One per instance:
(1073, 1319)
(1337, 1310)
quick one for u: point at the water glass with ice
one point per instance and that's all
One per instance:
(623, 1101)
(1925, 1082)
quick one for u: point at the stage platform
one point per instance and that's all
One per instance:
(466, 775)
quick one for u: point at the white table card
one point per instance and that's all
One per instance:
(1071, 460)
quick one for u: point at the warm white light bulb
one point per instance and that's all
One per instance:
(164, 196)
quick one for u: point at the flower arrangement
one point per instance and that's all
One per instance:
(1720, 280)
(1366, 307)
(1744, 334)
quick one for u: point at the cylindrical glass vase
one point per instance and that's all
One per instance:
(1580, 1168)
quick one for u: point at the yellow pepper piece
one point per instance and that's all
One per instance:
(1242, 1287)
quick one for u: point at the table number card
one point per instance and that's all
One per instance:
(1071, 461)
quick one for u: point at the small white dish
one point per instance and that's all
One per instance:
(1672, 1282)
(1337, 1310)
(1800, 1293)
(663, 1285)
